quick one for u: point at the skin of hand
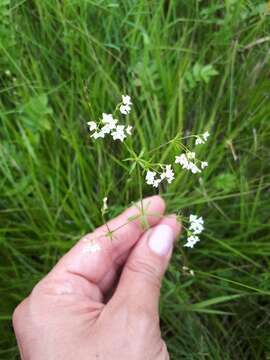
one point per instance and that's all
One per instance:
(102, 305)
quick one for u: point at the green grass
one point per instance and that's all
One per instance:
(71, 60)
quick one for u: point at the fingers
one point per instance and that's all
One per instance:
(140, 282)
(125, 229)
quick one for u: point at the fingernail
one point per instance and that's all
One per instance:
(161, 240)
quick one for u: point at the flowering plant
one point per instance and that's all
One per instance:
(154, 173)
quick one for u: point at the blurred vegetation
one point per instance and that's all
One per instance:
(189, 66)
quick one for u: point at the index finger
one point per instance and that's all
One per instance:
(126, 229)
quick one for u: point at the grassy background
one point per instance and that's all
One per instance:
(64, 62)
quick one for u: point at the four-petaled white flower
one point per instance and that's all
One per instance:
(92, 125)
(125, 109)
(129, 129)
(191, 241)
(119, 133)
(106, 129)
(109, 121)
(194, 168)
(126, 100)
(206, 136)
(150, 177)
(106, 118)
(169, 174)
(204, 164)
(157, 182)
(98, 134)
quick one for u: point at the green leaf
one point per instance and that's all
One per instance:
(214, 301)
(226, 182)
(199, 74)
(35, 114)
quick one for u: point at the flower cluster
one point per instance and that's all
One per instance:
(109, 126)
(202, 139)
(188, 159)
(156, 173)
(153, 179)
(195, 228)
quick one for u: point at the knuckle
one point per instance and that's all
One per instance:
(18, 314)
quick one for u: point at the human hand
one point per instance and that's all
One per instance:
(82, 310)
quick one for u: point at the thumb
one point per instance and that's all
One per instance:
(140, 282)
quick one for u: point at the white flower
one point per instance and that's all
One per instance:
(195, 218)
(204, 164)
(92, 247)
(199, 141)
(191, 241)
(106, 129)
(109, 121)
(169, 174)
(119, 134)
(125, 109)
(98, 134)
(157, 182)
(129, 129)
(196, 228)
(206, 136)
(106, 118)
(193, 168)
(196, 224)
(163, 175)
(110, 124)
(191, 155)
(182, 160)
(150, 177)
(92, 125)
(126, 100)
